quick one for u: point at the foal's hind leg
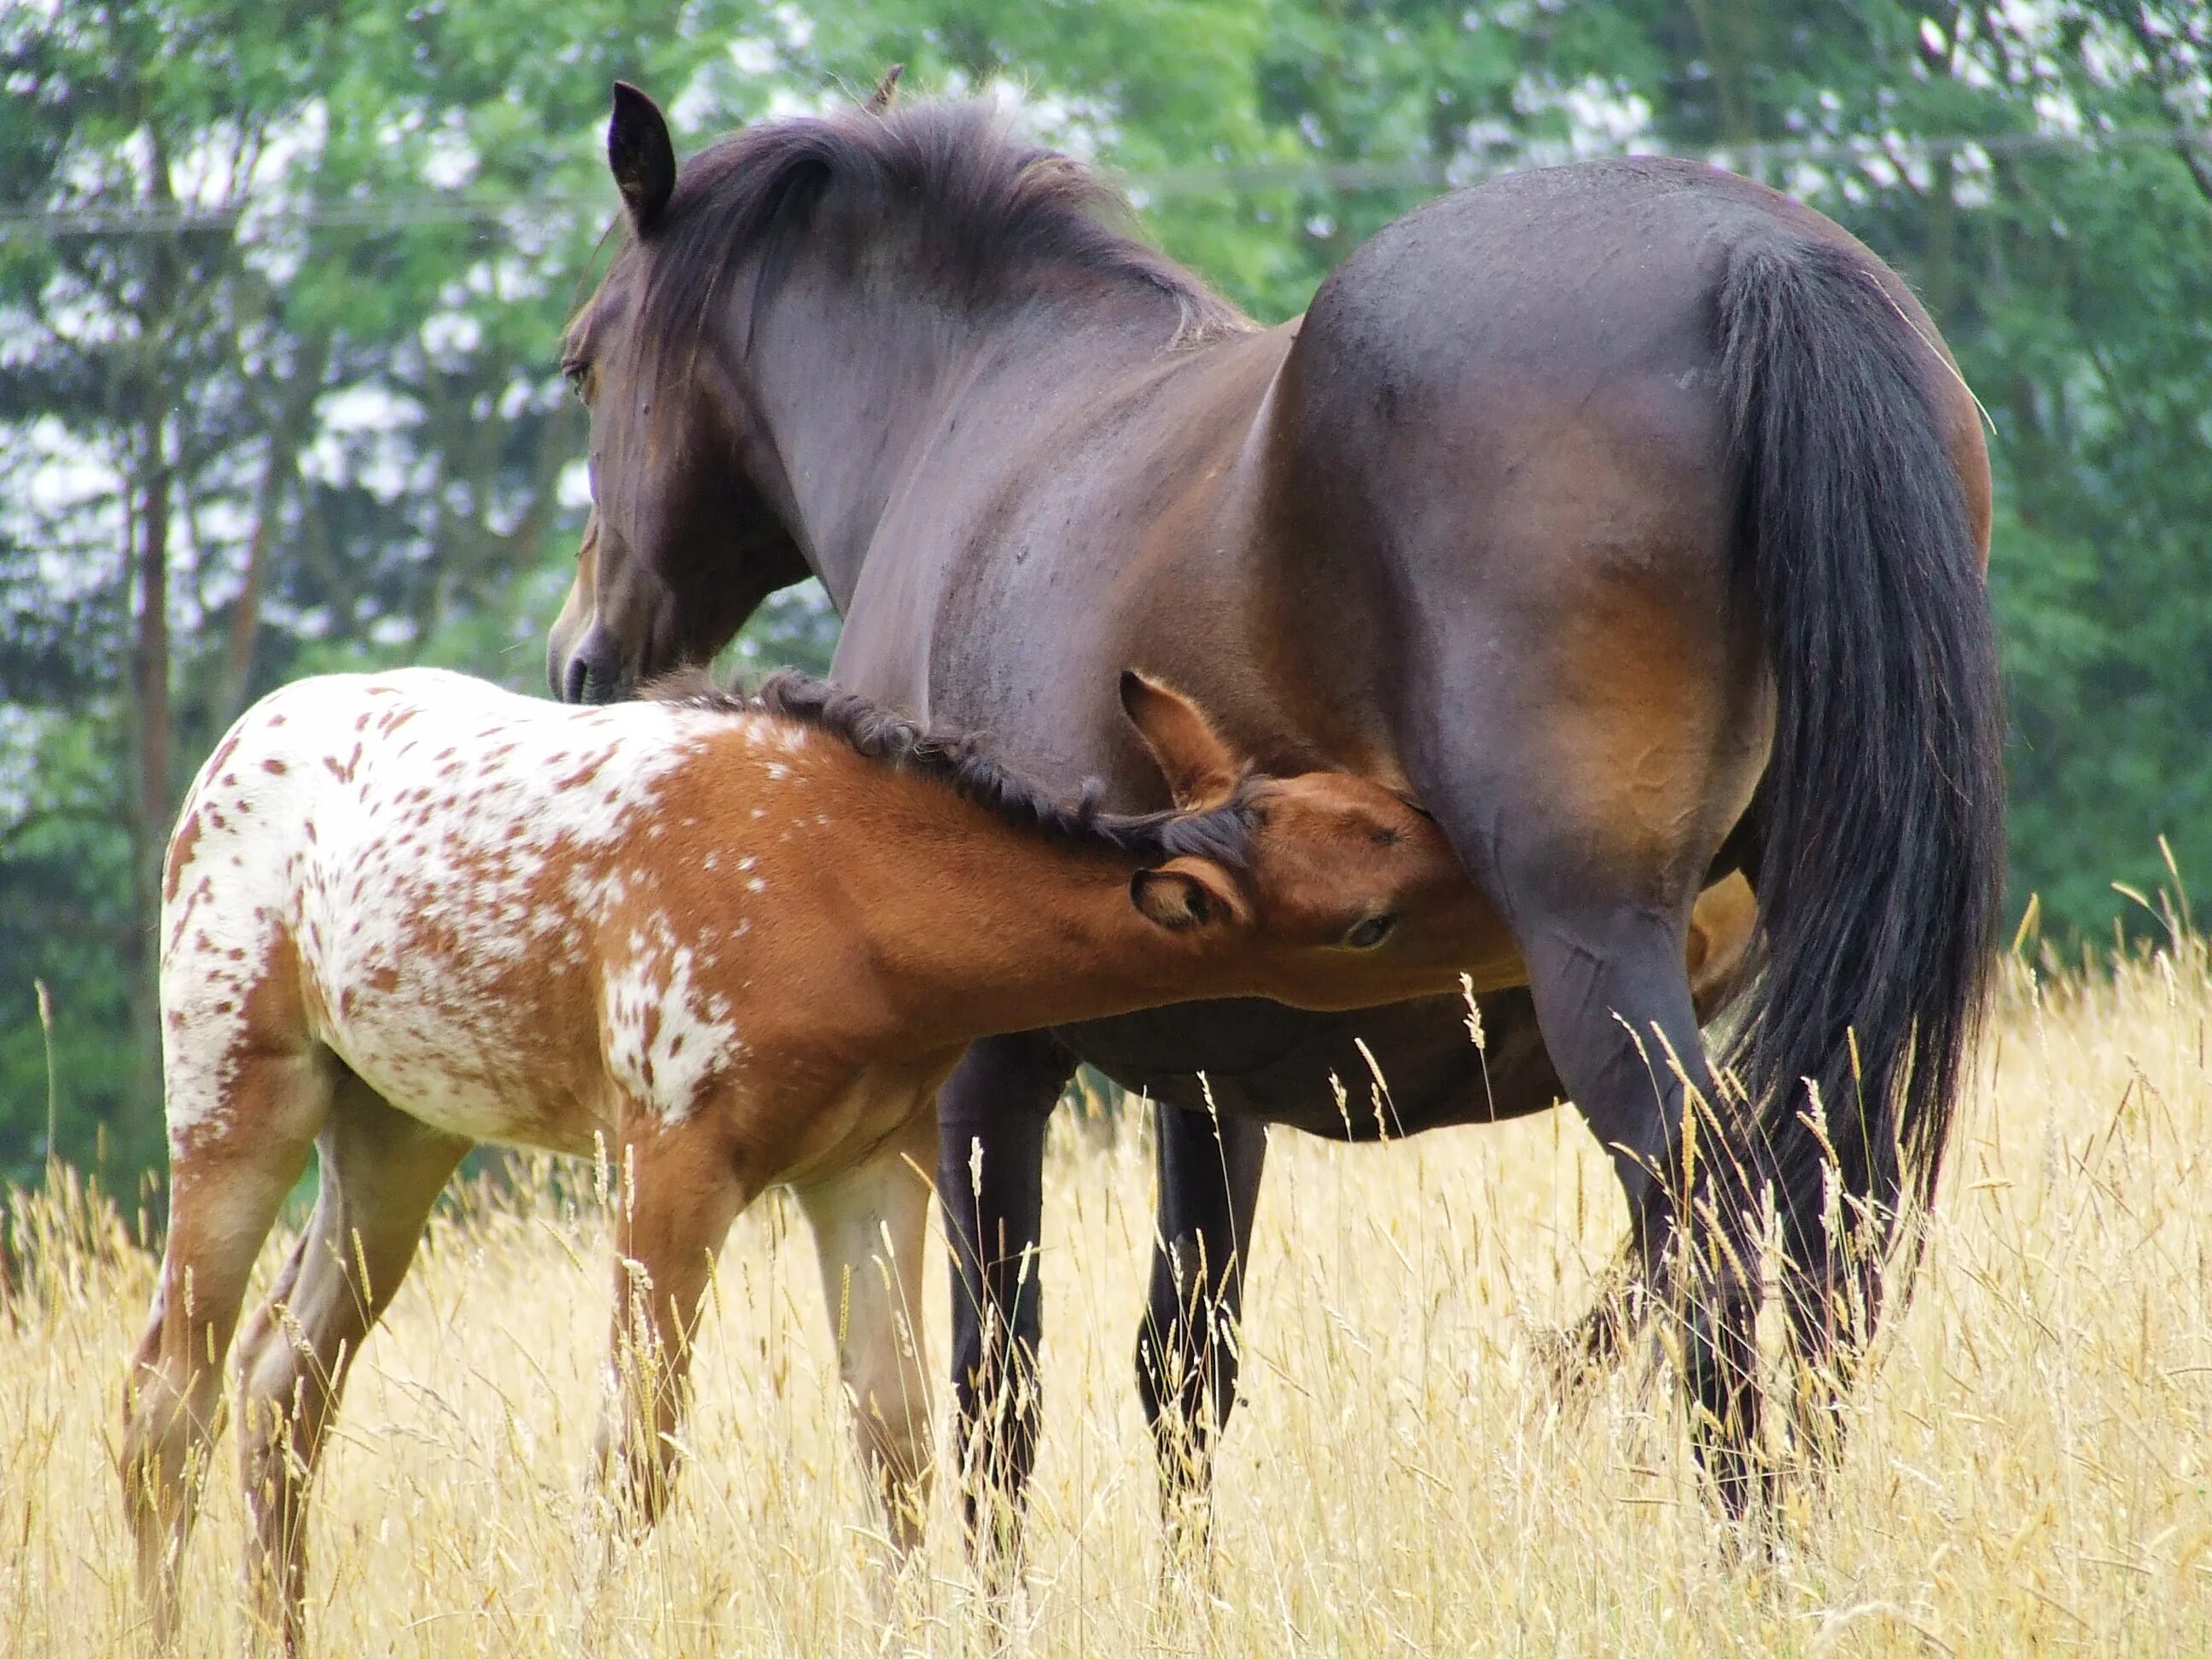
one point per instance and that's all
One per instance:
(869, 1225)
(380, 1171)
(231, 1162)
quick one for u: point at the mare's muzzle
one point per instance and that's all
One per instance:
(593, 672)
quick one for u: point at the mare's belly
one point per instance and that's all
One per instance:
(1376, 1073)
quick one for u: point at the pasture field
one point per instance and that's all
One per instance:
(2032, 1468)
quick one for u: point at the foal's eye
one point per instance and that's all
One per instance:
(578, 375)
(1370, 933)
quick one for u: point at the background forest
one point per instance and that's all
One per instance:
(280, 286)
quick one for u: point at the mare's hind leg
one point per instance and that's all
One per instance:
(231, 1162)
(1625, 1036)
(869, 1225)
(379, 1172)
(1605, 954)
(1593, 826)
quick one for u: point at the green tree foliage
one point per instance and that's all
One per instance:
(280, 289)
(252, 431)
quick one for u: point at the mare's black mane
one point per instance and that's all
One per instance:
(988, 207)
(958, 760)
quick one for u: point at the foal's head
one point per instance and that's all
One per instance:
(1337, 890)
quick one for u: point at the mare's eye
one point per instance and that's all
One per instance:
(578, 376)
(1370, 933)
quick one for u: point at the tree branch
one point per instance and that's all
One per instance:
(2190, 145)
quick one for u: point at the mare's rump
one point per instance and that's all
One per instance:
(1681, 514)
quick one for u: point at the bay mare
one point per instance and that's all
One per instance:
(1630, 515)
(723, 943)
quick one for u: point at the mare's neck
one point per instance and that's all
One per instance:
(865, 368)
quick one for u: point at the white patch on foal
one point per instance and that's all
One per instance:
(420, 839)
(665, 1038)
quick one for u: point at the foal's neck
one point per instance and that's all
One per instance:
(973, 926)
(1034, 935)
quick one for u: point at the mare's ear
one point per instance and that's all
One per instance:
(879, 100)
(641, 156)
(1198, 766)
(1187, 893)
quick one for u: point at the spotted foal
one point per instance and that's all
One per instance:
(734, 943)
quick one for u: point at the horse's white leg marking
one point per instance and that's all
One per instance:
(378, 1171)
(869, 1223)
(229, 1177)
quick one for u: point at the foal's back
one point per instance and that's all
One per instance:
(421, 872)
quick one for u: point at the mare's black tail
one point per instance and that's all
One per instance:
(1880, 824)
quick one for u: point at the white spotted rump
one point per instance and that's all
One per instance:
(434, 859)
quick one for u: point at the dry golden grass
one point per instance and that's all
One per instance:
(2030, 1467)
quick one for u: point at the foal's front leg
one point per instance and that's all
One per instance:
(869, 1223)
(677, 1189)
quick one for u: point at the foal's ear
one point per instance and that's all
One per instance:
(1198, 766)
(1187, 893)
(641, 156)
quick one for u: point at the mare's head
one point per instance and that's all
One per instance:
(1335, 891)
(779, 314)
(686, 537)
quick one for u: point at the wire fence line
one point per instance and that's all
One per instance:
(1343, 178)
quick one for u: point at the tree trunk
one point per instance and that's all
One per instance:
(1939, 270)
(1728, 34)
(153, 726)
(246, 610)
(287, 433)
(150, 727)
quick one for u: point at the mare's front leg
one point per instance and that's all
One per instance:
(991, 1113)
(678, 1185)
(1209, 1188)
(870, 1222)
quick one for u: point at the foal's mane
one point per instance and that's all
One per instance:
(958, 760)
(990, 207)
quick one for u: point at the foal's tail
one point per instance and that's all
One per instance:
(1879, 826)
